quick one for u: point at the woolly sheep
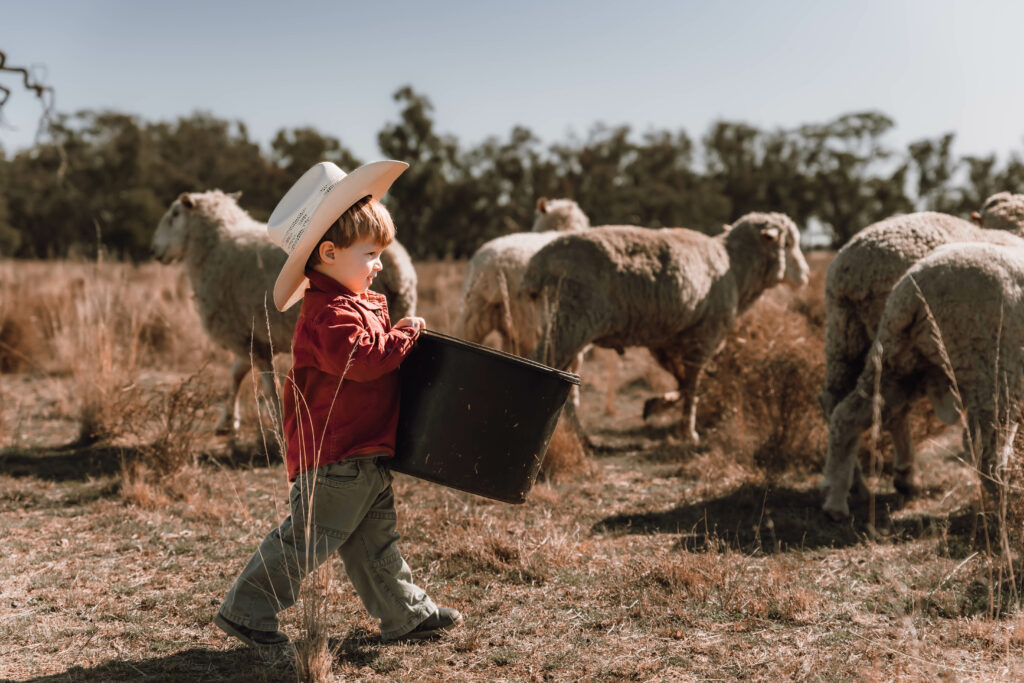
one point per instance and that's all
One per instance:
(1003, 211)
(856, 287)
(490, 291)
(676, 291)
(232, 266)
(957, 315)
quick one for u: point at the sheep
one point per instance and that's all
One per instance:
(397, 281)
(232, 265)
(1003, 211)
(857, 284)
(675, 291)
(951, 329)
(490, 291)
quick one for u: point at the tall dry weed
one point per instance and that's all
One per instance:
(566, 457)
(314, 657)
(40, 304)
(99, 324)
(168, 426)
(759, 401)
(96, 341)
(178, 419)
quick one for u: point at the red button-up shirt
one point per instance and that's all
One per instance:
(341, 395)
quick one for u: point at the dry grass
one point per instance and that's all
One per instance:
(566, 457)
(659, 564)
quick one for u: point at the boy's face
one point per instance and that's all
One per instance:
(354, 266)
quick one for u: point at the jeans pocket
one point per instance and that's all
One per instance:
(339, 475)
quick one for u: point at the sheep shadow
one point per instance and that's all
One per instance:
(238, 664)
(74, 462)
(773, 520)
(637, 438)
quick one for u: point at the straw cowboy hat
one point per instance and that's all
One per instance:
(316, 200)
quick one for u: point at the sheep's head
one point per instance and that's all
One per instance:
(1003, 211)
(779, 240)
(168, 243)
(561, 215)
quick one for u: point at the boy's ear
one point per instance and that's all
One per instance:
(186, 200)
(542, 205)
(326, 252)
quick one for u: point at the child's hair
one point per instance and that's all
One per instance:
(366, 219)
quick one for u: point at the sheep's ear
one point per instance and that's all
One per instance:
(726, 227)
(770, 235)
(236, 195)
(186, 200)
(542, 205)
(975, 217)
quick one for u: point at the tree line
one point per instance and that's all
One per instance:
(104, 178)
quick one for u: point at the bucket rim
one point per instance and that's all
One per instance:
(487, 350)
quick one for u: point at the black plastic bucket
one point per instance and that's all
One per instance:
(474, 418)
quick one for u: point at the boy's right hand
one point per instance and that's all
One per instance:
(414, 322)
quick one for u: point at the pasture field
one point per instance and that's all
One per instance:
(124, 520)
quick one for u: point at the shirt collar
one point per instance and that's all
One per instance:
(328, 285)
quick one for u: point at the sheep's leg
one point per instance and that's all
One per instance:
(688, 397)
(995, 464)
(904, 468)
(993, 433)
(229, 419)
(561, 342)
(574, 392)
(670, 362)
(851, 417)
(269, 391)
(847, 342)
(611, 366)
(660, 404)
(686, 366)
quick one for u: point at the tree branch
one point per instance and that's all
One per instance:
(46, 96)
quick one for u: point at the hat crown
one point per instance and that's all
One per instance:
(291, 217)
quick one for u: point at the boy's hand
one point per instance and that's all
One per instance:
(414, 322)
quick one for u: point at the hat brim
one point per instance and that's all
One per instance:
(373, 179)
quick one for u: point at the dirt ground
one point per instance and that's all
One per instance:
(661, 562)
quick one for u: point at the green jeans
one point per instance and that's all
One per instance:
(347, 507)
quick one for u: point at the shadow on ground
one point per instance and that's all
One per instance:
(74, 462)
(635, 438)
(238, 664)
(769, 519)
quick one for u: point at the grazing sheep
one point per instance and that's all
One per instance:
(490, 291)
(676, 291)
(952, 329)
(232, 266)
(1003, 211)
(856, 287)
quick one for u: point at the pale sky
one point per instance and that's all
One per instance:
(555, 67)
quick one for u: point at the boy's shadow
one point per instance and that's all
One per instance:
(238, 664)
(187, 666)
(781, 519)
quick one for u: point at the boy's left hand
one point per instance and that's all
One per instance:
(414, 322)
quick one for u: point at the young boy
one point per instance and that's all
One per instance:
(340, 413)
